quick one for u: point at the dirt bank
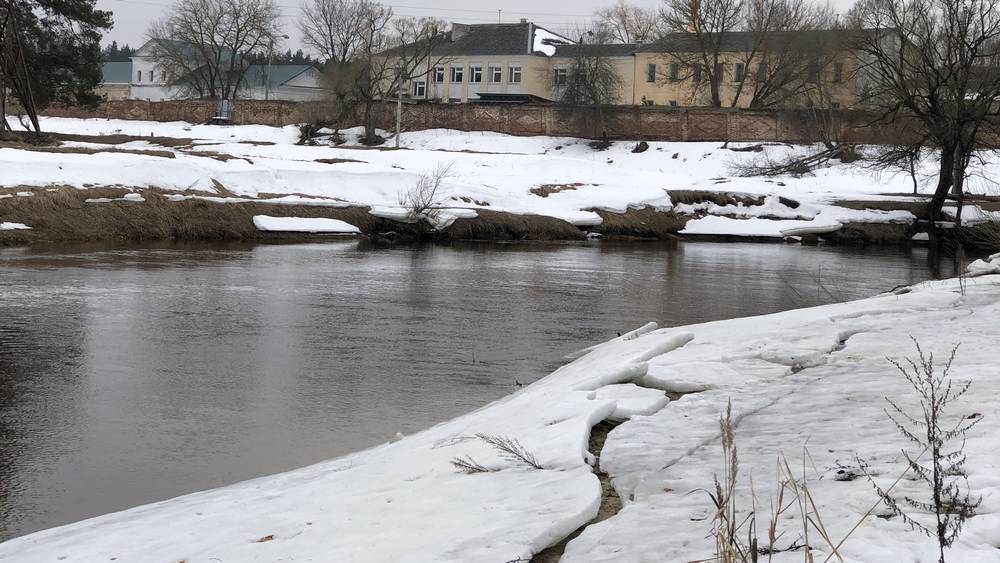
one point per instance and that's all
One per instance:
(64, 214)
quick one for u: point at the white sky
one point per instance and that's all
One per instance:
(132, 17)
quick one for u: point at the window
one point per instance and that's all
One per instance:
(437, 75)
(838, 72)
(672, 103)
(559, 76)
(163, 76)
(138, 76)
(835, 105)
(696, 73)
(476, 73)
(673, 71)
(651, 72)
(814, 72)
(458, 74)
(496, 74)
(150, 76)
(761, 72)
(515, 75)
(739, 72)
(419, 88)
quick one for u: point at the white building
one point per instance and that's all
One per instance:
(291, 82)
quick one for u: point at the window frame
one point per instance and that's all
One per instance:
(437, 74)
(674, 71)
(419, 88)
(458, 74)
(696, 73)
(650, 73)
(512, 69)
(474, 70)
(560, 76)
(494, 73)
(838, 72)
(739, 72)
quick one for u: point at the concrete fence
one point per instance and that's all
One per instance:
(649, 123)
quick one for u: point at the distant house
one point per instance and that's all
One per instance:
(115, 78)
(521, 62)
(496, 62)
(291, 82)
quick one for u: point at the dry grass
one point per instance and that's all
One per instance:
(546, 189)
(642, 223)
(62, 215)
(336, 160)
(918, 208)
(500, 225)
(90, 150)
(693, 197)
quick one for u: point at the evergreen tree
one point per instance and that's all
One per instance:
(60, 40)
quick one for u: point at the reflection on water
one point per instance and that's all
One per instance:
(129, 375)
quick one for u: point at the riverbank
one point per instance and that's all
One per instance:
(491, 186)
(811, 378)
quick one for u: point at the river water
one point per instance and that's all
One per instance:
(135, 374)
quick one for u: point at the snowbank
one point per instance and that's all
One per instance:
(9, 226)
(812, 377)
(304, 225)
(488, 170)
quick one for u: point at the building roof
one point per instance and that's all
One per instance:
(257, 75)
(116, 73)
(597, 50)
(742, 41)
(498, 39)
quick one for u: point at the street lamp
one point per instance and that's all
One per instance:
(267, 75)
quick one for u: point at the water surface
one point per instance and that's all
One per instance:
(130, 375)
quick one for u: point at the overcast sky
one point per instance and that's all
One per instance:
(132, 17)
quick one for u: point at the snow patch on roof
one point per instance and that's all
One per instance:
(544, 41)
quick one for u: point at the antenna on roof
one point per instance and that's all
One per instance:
(498, 15)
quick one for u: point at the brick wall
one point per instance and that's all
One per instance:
(651, 123)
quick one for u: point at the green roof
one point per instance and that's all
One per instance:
(279, 74)
(116, 73)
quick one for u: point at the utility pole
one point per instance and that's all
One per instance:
(399, 106)
(267, 75)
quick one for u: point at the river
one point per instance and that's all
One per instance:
(138, 373)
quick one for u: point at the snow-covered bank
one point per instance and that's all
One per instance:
(811, 377)
(552, 176)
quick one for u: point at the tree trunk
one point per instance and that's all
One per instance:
(945, 181)
(369, 123)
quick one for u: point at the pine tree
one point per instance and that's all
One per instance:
(60, 40)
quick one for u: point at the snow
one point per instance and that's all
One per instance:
(9, 226)
(544, 41)
(304, 225)
(811, 378)
(985, 266)
(488, 170)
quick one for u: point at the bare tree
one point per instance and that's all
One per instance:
(335, 28)
(771, 53)
(592, 81)
(398, 52)
(204, 46)
(704, 30)
(624, 22)
(422, 200)
(935, 62)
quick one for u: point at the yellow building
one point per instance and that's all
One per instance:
(524, 62)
